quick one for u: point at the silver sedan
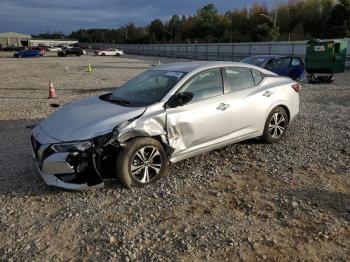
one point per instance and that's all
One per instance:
(165, 114)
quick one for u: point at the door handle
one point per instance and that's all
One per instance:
(267, 93)
(223, 106)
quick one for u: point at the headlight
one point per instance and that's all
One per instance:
(72, 147)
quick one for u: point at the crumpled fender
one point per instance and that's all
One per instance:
(176, 139)
(151, 123)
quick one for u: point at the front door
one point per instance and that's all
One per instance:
(203, 121)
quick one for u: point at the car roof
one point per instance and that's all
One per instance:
(203, 65)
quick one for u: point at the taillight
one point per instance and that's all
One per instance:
(296, 87)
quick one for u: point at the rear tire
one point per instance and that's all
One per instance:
(141, 162)
(276, 125)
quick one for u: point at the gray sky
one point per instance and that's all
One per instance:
(38, 16)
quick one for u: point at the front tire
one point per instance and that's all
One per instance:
(141, 162)
(276, 125)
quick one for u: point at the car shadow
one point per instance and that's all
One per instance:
(252, 141)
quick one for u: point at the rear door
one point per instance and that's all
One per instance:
(250, 99)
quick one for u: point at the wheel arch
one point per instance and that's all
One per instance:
(285, 108)
(279, 103)
(160, 138)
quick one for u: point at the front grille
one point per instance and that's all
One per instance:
(41, 152)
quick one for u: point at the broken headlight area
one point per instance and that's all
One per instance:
(79, 157)
(84, 171)
(106, 149)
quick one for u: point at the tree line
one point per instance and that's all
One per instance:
(294, 20)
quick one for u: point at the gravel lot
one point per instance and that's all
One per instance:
(249, 201)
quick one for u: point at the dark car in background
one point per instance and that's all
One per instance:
(289, 66)
(77, 51)
(27, 53)
(8, 49)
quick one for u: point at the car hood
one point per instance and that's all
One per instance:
(86, 119)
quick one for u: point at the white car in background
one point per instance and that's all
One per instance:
(54, 49)
(109, 52)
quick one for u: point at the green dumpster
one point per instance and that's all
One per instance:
(324, 58)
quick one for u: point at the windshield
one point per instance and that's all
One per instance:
(257, 61)
(145, 89)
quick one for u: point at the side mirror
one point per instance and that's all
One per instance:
(179, 99)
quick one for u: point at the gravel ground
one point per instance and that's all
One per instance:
(249, 201)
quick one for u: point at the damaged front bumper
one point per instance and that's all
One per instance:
(68, 170)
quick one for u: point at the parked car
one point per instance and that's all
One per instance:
(27, 53)
(71, 51)
(54, 49)
(165, 114)
(289, 66)
(41, 49)
(9, 49)
(109, 52)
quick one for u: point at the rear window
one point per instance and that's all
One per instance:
(239, 78)
(296, 61)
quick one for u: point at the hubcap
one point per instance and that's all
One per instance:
(277, 125)
(146, 164)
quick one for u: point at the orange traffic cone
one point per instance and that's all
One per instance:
(52, 91)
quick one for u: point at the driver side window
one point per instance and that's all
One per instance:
(205, 85)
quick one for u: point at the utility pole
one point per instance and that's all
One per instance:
(275, 21)
(170, 33)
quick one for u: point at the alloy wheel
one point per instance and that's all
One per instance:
(146, 164)
(277, 125)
